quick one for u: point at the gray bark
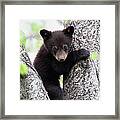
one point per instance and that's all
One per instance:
(31, 86)
(83, 80)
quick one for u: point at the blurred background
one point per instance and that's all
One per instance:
(30, 34)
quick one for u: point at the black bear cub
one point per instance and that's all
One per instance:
(55, 58)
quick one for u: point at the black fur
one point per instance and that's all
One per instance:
(48, 67)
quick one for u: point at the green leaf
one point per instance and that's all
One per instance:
(23, 69)
(22, 38)
(94, 56)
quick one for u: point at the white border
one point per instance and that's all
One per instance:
(106, 104)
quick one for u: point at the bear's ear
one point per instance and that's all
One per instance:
(45, 34)
(69, 31)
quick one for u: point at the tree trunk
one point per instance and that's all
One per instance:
(83, 81)
(31, 86)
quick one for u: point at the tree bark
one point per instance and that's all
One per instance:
(31, 86)
(83, 82)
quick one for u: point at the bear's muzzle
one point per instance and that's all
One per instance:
(61, 55)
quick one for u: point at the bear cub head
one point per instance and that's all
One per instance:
(58, 42)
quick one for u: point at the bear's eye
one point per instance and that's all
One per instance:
(65, 47)
(54, 49)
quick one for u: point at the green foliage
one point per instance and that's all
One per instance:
(61, 81)
(65, 22)
(32, 40)
(22, 38)
(35, 27)
(29, 45)
(39, 43)
(94, 56)
(23, 69)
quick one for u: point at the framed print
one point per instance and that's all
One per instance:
(60, 59)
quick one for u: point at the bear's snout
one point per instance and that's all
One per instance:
(61, 55)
